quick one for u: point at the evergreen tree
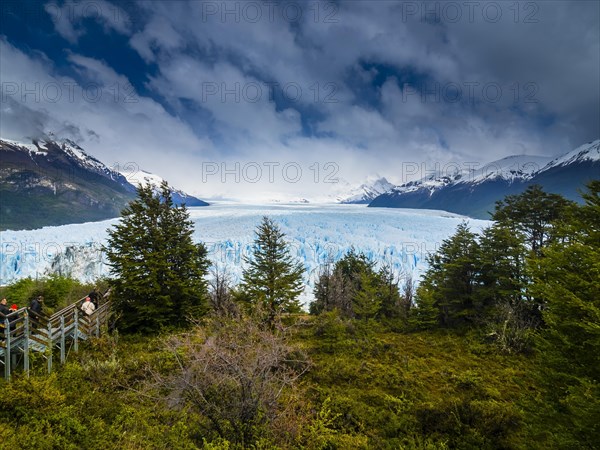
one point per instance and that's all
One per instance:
(449, 283)
(392, 305)
(533, 213)
(366, 302)
(525, 225)
(347, 280)
(324, 290)
(338, 284)
(568, 280)
(159, 272)
(272, 279)
(501, 267)
(356, 289)
(503, 303)
(426, 315)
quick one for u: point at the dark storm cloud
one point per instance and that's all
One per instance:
(377, 82)
(504, 63)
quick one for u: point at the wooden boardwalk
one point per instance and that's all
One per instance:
(25, 331)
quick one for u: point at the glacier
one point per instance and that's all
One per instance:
(315, 233)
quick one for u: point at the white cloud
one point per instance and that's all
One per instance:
(109, 119)
(68, 17)
(210, 63)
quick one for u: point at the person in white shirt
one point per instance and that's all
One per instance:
(87, 306)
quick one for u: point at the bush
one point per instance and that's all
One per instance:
(233, 373)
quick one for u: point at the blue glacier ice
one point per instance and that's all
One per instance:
(401, 237)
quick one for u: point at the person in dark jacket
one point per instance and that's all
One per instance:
(94, 296)
(36, 305)
(4, 310)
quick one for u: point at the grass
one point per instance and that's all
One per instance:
(368, 387)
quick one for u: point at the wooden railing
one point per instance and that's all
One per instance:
(25, 331)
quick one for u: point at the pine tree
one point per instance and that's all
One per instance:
(503, 303)
(449, 283)
(366, 302)
(533, 213)
(426, 315)
(356, 289)
(348, 280)
(324, 290)
(568, 279)
(501, 272)
(392, 305)
(272, 280)
(159, 272)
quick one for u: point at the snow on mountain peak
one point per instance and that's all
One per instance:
(143, 178)
(511, 168)
(585, 152)
(367, 191)
(31, 148)
(71, 149)
(79, 155)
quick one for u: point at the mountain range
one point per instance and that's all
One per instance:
(366, 192)
(146, 178)
(474, 191)
(55, 182)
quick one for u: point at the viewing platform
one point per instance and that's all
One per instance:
(24, 331)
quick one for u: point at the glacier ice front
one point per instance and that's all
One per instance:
(401, 237)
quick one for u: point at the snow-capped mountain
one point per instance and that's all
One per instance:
(63, 151)
(341, 191)
(141, 177)
(586, 153)
(473, 191)
(54, 182)
(509, 169)
(366, 192)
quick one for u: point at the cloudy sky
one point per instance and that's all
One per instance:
(275, 99)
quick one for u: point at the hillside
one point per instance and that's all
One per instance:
(146, 178)
(49, 182)
(52, 183)
(474, 192)
(366, 388)
(366, 192)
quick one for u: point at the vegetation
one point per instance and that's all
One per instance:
(272, 280)
(498, 351)
(159, 273)
(57, 291)
(356, 289)
(33, 197)
(364, 388)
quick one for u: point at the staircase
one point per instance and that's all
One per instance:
(24, 331)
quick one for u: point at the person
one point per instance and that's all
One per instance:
(4, 310)
(36, 304)
(88, 307)
(13, 308)
(94, 296)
